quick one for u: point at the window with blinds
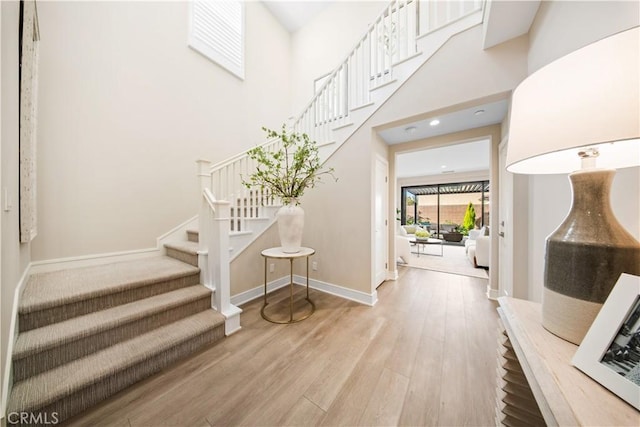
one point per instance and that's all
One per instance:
(216, 30)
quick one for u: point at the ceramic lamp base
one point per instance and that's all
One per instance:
(567, 317)
(584, 257)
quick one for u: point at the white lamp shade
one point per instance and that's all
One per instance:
(590, 97)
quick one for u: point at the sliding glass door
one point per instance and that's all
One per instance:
(441, 207)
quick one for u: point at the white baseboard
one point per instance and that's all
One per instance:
(257, 292)
(329, 288)
(232, 322)
(492, 294)
(13, 333)
(91, 260)
(392, 274)
(339, 291)
(178, 233)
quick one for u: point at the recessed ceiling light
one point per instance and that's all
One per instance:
(443, 166)
(410, 129)
(478, 112)
(434, 122)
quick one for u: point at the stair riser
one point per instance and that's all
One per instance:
(48, 359)
(193, 236)
(37, 319)
(183, 256)
(106, 387)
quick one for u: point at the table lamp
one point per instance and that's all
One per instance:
(581, 114)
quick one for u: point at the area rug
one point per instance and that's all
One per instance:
(454, 260)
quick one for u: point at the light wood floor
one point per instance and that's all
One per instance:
(424, 355)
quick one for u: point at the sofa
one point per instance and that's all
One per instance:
(405, 234)
(478, 247)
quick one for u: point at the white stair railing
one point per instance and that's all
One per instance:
(390, 39)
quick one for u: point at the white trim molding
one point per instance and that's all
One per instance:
(232, 320)
(328, 288)
(91, 260)
(258, 291)
(13, 334)
(339, 291)
(178, 233)
(492, 294)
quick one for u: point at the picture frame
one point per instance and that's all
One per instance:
(610, 351)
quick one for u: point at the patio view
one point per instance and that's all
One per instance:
(441, 208)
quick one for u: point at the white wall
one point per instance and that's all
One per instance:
(559, 28)
(126, 107)
(15, 256)
(321, 45)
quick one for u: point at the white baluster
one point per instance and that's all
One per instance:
(412, 30)
(389, 45)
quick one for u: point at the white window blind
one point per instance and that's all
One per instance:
(216, 30)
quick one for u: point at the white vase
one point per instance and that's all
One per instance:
(290, 219)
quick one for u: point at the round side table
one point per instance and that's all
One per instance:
(277, 253)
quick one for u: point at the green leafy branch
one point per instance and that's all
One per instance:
(288, 171)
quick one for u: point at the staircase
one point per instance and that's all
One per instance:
(87, 333)
(403, 38)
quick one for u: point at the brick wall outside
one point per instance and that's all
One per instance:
(452, 213)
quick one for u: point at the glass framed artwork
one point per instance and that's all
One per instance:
(610, 352)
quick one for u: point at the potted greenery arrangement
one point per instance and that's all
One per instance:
(286, 173)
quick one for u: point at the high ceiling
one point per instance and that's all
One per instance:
(294, 15)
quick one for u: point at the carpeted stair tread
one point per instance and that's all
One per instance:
(46, 290)
(67, 331)
(185, 251)
(187, 247)
(44, 389)
(193, 235)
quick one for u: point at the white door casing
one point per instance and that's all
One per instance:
(505, 229)
(380, 221)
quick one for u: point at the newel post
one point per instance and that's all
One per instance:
(219, 265)
(204, 221)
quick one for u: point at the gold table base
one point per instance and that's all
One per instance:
(291, 283)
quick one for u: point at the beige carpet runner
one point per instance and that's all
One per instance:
(87, 333)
